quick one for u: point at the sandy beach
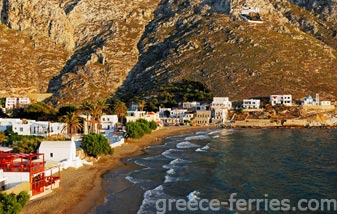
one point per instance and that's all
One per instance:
(80, 190)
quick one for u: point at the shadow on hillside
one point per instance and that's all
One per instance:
(80, 57)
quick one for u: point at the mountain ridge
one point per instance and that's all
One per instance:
(79, 49)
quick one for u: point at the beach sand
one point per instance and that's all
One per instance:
(81, 190)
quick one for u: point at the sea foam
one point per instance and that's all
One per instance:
(185, 145)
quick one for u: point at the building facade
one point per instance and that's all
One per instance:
(286, 100)
(251, 103)
(221, 102)
(202, 118)
(12, 102)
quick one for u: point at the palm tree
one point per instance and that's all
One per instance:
(73, 123)
(95, 110)
(141, 105)
(120, 109)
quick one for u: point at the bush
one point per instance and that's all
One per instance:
(146, 128)
(134, 130)
(153, 125)
(140, 127)
(13, 204)
(95, 145)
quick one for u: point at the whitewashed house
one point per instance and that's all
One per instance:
(63, 152)
(178, 113)
(12, 102)
(325, 103)
(162, 111)
(191, 105)
(8, 122)
(281, 100)
(221, 102)
(219, 115)
(134, 107)
(134, 115)
(251, 103)
(108, 122)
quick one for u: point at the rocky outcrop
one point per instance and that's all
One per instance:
(99, 37)
(107, 34)
(39, 18)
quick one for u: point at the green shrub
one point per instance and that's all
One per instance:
(95, 145)
(13, 204)
(146, 128)
(134, 130)
(153, 125)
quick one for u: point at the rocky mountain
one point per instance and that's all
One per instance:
(81, 49)
(293, 51)
(97, 38)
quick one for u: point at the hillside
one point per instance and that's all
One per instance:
(81, 49)
(293, 51)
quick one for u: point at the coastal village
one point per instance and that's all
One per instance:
(39, 172)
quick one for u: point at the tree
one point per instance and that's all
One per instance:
(3, 137)
(119, 108)
(153, 125)
(95, 145)
(13, 204)
(36, 111)
(73, 123)
(27, 145)
(66, 109)
(141, 105)
(95, 110)
(134, 130)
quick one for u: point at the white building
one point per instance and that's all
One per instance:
(281, 100)
(178, 113)
(8, 122)
(251, 104)
(63, 152)
(12, 102)
(134, 107)
(325, 103)
(163, 110)
(109, 122)
(32, 127)
(191, 105)
(247, 10)
(219, 115)
(310, 101)
(221, 102)
(134, 115)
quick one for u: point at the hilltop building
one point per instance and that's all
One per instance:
(251, 104)
(13, 103)
(281, 100)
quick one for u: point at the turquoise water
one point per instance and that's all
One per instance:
(289, 164)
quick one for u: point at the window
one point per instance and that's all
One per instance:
(51, 155)
(21, 129)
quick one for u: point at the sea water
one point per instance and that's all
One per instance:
(291, 164)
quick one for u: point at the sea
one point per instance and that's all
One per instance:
(200, 172)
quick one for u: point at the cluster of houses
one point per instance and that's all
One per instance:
(215, 112)
(39, 173)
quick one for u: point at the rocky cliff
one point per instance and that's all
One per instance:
(81, 49)
(293, 51)
(98, 38)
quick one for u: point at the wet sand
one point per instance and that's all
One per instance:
(81, 190)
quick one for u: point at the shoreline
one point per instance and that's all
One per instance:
(81, 189)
